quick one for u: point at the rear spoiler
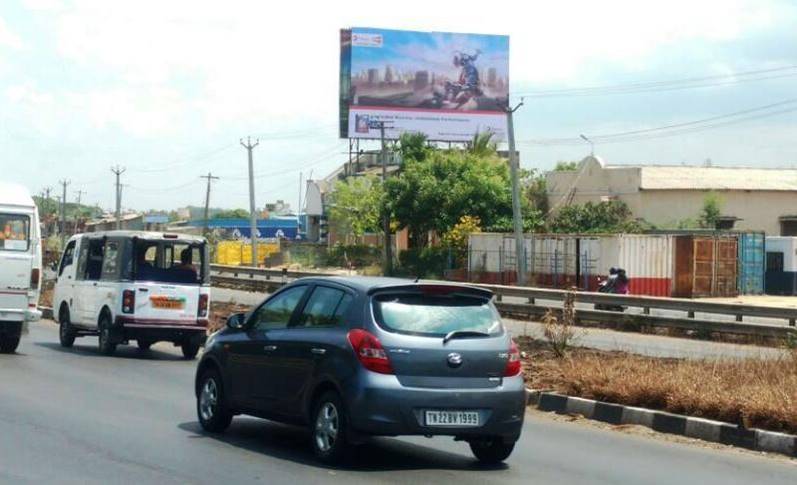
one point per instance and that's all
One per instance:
(434, 289)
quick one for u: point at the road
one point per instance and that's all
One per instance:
(74, 416)
(603, 339)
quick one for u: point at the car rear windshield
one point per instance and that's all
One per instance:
(435, 315)
(14, 232)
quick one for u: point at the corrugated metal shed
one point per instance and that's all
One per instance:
(717, 178)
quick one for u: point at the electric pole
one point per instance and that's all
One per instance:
(79, 193)
(252, 214)
(517, 217)
(388, 250)
(118, 171)
(62, 224)
(210, 178)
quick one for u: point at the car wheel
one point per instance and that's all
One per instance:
(106, 344)
(329, 428)
(492, 451)
(9, 342)
(144, 344)
(66, 334)
(190, 349)
(210, 403)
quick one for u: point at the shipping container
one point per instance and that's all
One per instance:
(752, 263)
(781, 265)
(553, 261)
(706, 266)
(647, 260)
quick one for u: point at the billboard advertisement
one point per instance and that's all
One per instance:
(448, 86)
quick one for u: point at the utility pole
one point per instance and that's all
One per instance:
(388, 250)
(517, 217)
(118, 171)
(62, 224)
(252, 214)
(79, 193)
(210, 178)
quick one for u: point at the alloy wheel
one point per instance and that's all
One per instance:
(208, 399)
(327, 425)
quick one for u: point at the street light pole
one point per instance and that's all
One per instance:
(591, 145)
(517, 216)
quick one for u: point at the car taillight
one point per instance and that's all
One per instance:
(128, 301)
(202, 310)
(369, 351)
(34, 278)
(513, 362)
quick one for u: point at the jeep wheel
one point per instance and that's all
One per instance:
(190, 349)
(107, 345)
(9, 342)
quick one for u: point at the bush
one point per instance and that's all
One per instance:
(430, 262)
(353, 255)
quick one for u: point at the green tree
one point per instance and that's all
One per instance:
(482, 144)
(413, 146)
(231, 214)
(563, 166)
(354, 206)
(535, 189)
(435, 192)
(602, 217)
(710, 213)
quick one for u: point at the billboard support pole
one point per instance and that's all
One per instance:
(517, 217)
(252, 213)
(386, 218)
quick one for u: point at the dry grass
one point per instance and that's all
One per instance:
(220, 310)
(752, 392)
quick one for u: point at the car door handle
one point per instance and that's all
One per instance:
(270, 348)
(318, 351)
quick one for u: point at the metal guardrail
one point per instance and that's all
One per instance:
(646, 303)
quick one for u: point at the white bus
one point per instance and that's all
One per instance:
(20, 264)
(132, 285)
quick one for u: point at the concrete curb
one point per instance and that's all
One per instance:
(664, 422)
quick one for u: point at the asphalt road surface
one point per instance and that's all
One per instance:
(596, 338)
(74, 416)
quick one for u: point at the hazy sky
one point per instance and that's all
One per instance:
(166, 88)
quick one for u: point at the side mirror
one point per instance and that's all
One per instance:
(236, 321)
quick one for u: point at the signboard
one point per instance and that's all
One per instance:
(447, 86)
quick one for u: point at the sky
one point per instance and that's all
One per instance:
(167, 89)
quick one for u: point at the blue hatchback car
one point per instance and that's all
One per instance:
(353, 357)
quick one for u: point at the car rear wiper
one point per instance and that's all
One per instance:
(463, 333)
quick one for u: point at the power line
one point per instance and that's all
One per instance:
(670, 85)
(676, 128)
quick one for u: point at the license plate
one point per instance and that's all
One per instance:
(451, 418)
(167, 303)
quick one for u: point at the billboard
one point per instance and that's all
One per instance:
(445, 85)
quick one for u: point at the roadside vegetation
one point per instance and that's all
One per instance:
(756, 393)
